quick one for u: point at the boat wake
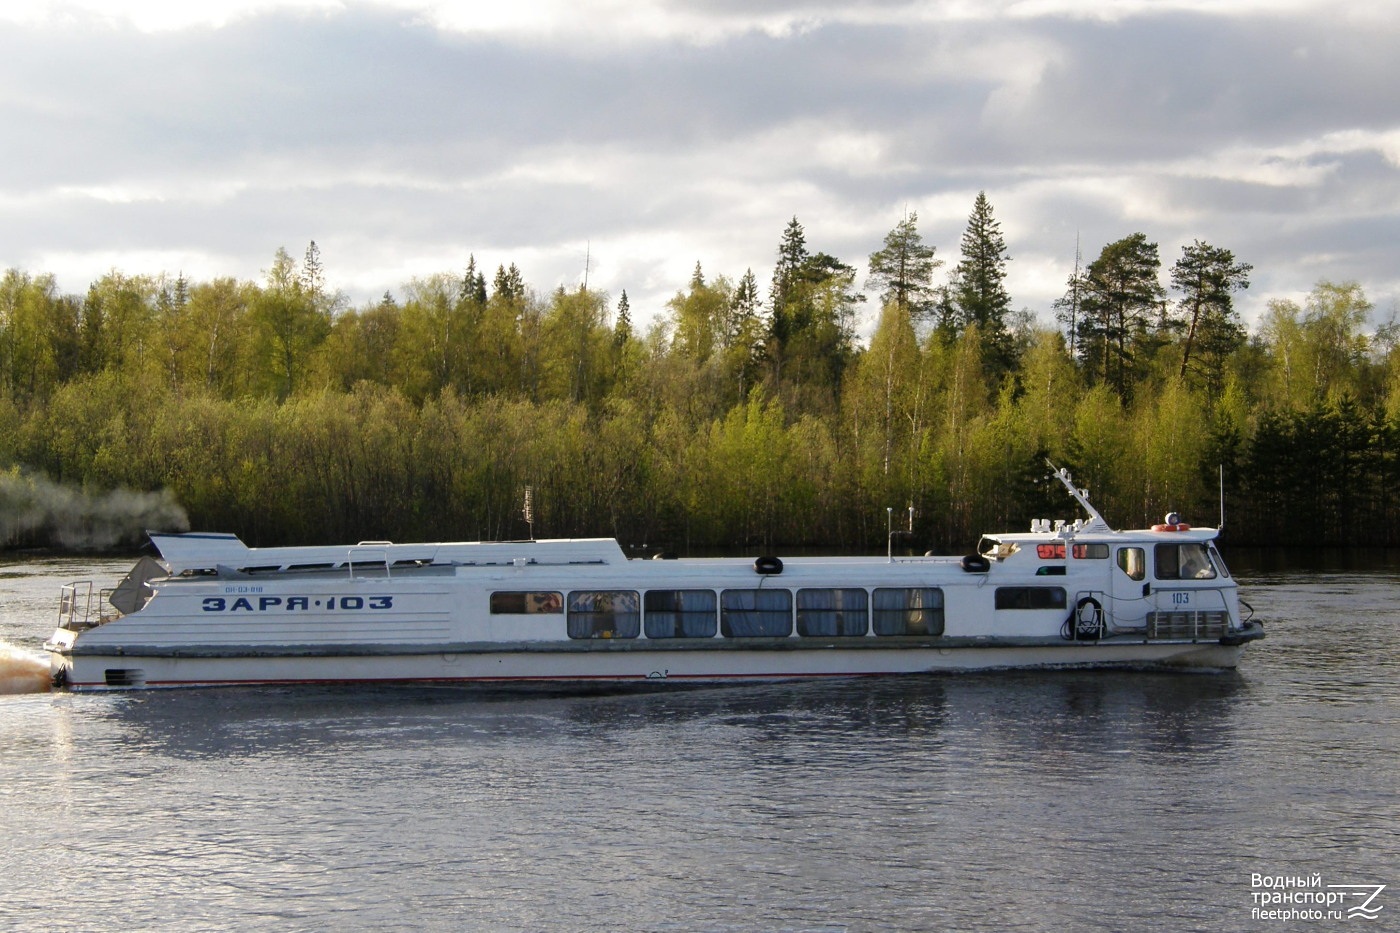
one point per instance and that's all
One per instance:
(22, 671)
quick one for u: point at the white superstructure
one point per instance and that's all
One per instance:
(214, 611)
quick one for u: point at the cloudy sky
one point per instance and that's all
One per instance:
(403, 135)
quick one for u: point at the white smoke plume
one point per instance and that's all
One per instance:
(34, 510)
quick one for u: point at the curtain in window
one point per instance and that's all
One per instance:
(913, 611)
(832, 612)
(681, 614)
(756, 613)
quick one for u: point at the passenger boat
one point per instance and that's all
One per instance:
(214, 611)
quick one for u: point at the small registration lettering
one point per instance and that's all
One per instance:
(295, 603)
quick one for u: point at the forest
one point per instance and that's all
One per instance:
(742, 419)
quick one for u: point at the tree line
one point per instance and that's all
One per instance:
(742, 418)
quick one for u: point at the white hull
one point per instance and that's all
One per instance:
(657, 667)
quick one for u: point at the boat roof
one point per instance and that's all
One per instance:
(203, 551)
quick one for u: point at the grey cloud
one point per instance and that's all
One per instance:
(366, 127)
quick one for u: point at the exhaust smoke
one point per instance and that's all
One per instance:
(35, 511)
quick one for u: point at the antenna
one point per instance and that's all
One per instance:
(587, 261)
(529, 510)
(1222, 497)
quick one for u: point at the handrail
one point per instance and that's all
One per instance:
(382, 551)
(68, 600)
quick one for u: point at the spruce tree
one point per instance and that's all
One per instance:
(473, 288)
(622, 329)
(978, 288)
(313, 276)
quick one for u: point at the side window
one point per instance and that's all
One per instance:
(681, 613)
(1218, 561)
(535, 603)
(1030, 597)
(1133, 562)
(914, 611)
(832, 612)
(604, 614)
(755, 613)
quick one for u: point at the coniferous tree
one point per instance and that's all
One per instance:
(792, 256)
(1119, 296)
(978, 285)
(744, 339)
(1207, 276)
(903, 267)
(819, 325)
(622, 330)
(509, 284)
(783, 297)
(473, 287)
(313, 275)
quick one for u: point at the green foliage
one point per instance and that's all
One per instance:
(272, 410)
(811, 329)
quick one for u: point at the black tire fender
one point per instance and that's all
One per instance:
(1090, 627)
(976, 563)
(767, 565)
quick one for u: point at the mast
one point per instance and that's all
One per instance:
(1096, 521)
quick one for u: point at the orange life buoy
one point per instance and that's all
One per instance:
(1180, 526)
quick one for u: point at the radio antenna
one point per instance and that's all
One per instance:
(1222, 497)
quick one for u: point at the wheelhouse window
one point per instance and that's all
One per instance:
(681, 613)
(1030, 597)
(526, 603)
(756, 613)
(1183, 562)
(824, 613)
(1133, 562)
(1218, 561)
(604, 614)
(908, 611)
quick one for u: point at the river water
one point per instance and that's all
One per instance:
(1009, 801)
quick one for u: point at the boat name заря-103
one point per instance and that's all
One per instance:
(213, 611)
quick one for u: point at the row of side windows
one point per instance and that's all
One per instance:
(746, 613)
